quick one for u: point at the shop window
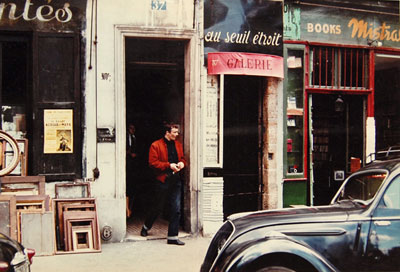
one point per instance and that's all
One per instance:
(294, 86)
(40, 73)
(339, 68)
(14, 51)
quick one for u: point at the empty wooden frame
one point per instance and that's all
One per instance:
(73, 190)
(29, 185)
(8, 215)
(77, 225)
(7, 154)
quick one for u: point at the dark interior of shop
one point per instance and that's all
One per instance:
(387, 99)
(154, 94)
(14, 86)
(337, 129)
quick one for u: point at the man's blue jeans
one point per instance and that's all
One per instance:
(167, 193)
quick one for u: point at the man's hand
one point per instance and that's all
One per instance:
(180, 165)
(174, 167)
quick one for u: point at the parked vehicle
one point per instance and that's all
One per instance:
(358, 231)
(13, 256)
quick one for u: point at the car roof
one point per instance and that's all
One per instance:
(389, 165)
(388, 159)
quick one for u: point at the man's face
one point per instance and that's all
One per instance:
(131, 129)
(173, 134)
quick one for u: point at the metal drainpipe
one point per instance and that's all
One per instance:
(96, 171)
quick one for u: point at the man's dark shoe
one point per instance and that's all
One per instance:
(175, 242)
(143, 232)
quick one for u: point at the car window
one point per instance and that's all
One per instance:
(362, 187)
(391, 197)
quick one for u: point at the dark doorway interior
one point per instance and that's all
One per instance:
(242, 143)
(154, 94)
(338, 133)
(14, 88)
(387, 100)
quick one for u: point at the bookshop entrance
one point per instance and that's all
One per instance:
(336, 125)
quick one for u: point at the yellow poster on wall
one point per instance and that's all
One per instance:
(58, 131)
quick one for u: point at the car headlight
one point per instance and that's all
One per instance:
(19, 257)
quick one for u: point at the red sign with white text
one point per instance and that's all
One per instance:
(251, 64)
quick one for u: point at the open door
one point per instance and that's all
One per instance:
(337, 129)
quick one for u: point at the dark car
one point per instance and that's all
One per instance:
(13, 256)
(358, 231)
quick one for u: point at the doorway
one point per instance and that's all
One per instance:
(337, 128)
(242, 143)
(154, 94)
(387, 99)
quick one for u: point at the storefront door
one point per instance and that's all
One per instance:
(154, 94)
(387, 99)
(337, 132)
(242, 143)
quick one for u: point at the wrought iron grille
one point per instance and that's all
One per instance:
(339, 68)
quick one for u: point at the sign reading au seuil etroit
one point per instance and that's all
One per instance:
(244, 37)
(241, 37)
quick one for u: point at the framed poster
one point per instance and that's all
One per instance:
(58, 131)
(213, 120)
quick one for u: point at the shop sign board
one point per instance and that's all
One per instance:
(245, 64)
(336, 25)
(58, 131)
(49, 15)
(243, 26)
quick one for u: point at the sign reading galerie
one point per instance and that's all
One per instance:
(245, 64)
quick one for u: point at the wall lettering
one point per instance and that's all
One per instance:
(260, 38)
(324, 28)
(44, 13)
(363, 29)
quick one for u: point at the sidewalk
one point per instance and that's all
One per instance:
(150, 255)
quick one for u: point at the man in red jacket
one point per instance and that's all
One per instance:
(166, 160)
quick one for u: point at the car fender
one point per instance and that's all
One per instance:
(278, 243)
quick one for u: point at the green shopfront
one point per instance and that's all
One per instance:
(342, 85)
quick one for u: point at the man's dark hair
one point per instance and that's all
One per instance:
(169, 126)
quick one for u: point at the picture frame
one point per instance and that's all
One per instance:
(339, 175)
(8, 215)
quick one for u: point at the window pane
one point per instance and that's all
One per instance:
(336, 67)
(295, 111)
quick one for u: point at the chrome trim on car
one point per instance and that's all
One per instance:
(316, 232)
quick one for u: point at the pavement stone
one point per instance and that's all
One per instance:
(146, 256)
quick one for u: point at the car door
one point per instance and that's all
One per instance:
(383, 248)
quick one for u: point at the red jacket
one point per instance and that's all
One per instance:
(158, 158)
